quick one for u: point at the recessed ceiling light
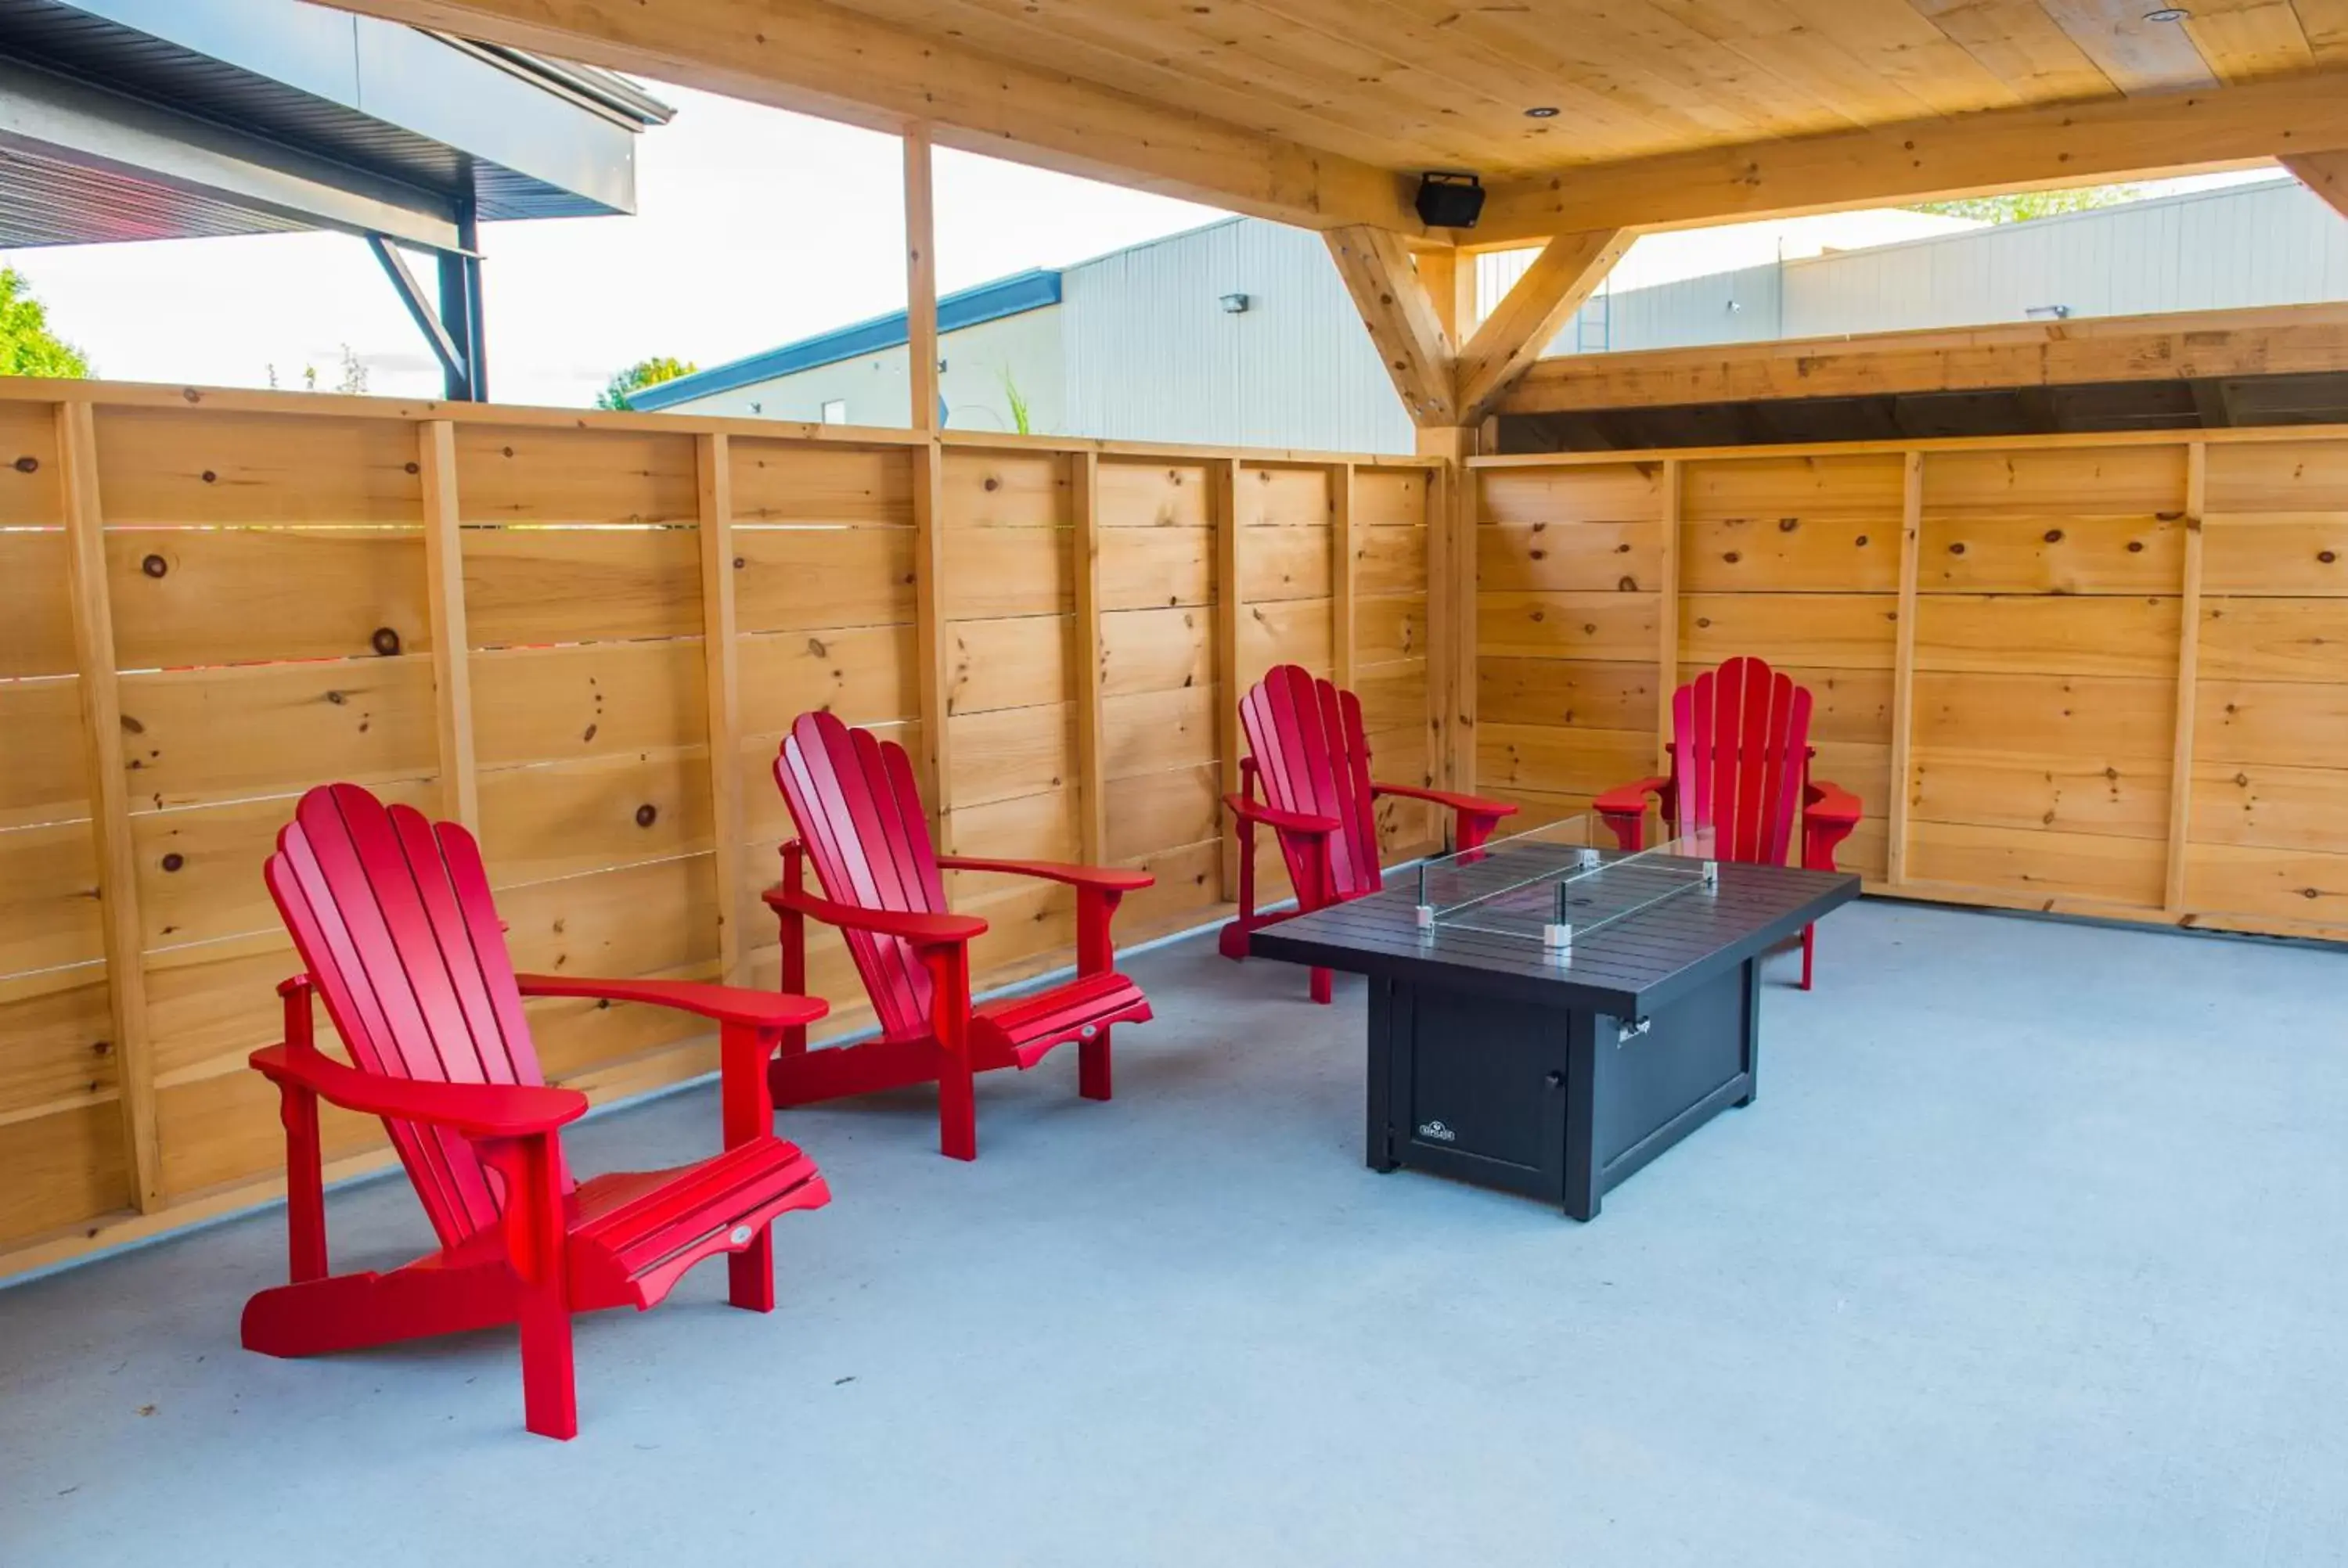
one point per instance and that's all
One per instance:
(2168, 14)
(1544, 112)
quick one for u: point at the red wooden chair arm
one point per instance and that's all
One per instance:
(1280, 821)
(921, 930)
(1630, 799)
(720, 1004)
(1829, 805)
(1473, 805)
(1107, 878)
(475, 1110)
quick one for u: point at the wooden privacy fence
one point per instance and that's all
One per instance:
(584, 636)
(2107, 675)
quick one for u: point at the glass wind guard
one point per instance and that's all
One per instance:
(1560, 881)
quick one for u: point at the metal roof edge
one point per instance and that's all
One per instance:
(1033, 290)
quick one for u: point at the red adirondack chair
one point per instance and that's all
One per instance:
(393, 916)
(1308, 756)
(1741, 765)
(859, 819)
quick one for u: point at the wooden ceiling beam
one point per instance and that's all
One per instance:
(2326, 174)
(2041, 147)
(2284, 340)
(1403, 320)
(1566, 272)
(840, 65)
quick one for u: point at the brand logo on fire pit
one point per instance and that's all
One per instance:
(1437, 1132)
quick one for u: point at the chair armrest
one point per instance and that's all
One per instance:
(475, 1110)
(1473, 805)
(1109, 878)
(1829, 805)
(1630, 799)
(923, 930)
(1280, 821)
(720, 1004)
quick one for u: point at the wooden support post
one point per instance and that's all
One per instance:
(452, 665)
(921, 280)
(1223, 474)
(1566, 272)
(1667, 611)
(1092, 794)
(1401, 318)
(721, 664)
(1451, 511)
(2188, 680)
(110, 800)
(1903, 669)
(933, 645)
(1343, 631)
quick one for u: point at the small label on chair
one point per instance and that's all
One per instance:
(739, 1236)
(1438, 1132)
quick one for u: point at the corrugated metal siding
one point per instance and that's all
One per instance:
(1153, 355)
(876, 390)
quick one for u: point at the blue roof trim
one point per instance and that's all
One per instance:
(1011, 296)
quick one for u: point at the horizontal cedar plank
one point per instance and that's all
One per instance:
(228, 596)
(2057, 482)
(176, 468)
(30, 495)
(2293, 884)
(2290, 722)
(1152, 812)
(1154, 650)
(865, 674)
(1154, 495)
(580, 1040)
(2293, 554)
(1866, 851)
(532, 586)
(1298, 632)
(1000, 571)
(1389, 631)
(2038, 861)
(191, 736)
(1389, 497)
(2126, 797)
(55, 1046)
(224, 1127)
(768, 815)
(561, 819)
(794, 579)
(208, 1006)
(637, 920)
(1027, 828)
(1852, 705)
(1010, 752)
(1024, 917)
(518, 474)
(552, 704)
(1281, 498)
(2050, 715)
(1189, 879)
(1792, 555)
(2060, 634)
(1389, 560)
(1859, 490)
(1569, 558)
(47, 776)
(1147, 732)
(1562, 761)
(36, 612)
(1609, 493)
(1019, 663)
(2142, 554)
(49, 897)
(198, 870)
(2270, 806)
(2274, 640)
(1142, 568)
(1615, 628)
(1862, 767)
(1393, 695)
(782, 482)
(1006, 490)
(1284, 563)
(1565, 693)
(2277, 476)
(1815, 631)
(63, 1168)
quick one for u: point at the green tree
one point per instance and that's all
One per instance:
(28, 346)
(2021, 206)
(645, 373)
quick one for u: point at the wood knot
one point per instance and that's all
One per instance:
(1957, 548)
(1787, 525)
(1731, 557)
(1862, 541)
(646, 815)
(2136, 547)
(336, 698)
(173, 861)
(28, 465)
(385, 641)
(2327, 557)
(2053, 536)
(992, 483)
(740, 562)
(211, 478)
(413, 467)
(154, 565)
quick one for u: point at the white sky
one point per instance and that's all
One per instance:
(754, 227)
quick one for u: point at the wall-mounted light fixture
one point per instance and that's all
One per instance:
(1236, 304)
(2048, 312)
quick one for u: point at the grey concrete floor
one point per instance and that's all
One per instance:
(2030, 1252)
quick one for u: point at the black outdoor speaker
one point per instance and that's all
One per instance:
(1451, 200)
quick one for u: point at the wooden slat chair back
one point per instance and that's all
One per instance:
(1309, 762)
(861, 822)
(393, 918)
(1740, 760)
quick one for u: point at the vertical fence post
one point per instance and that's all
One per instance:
(1083, 547)
(1223, 481)
(721, 663)
(110, 800)
(2189, 679)
(1667, 609)
(452, 670)
(933, 645)
(1903, 669)
(1341, 553)
(1466, 498)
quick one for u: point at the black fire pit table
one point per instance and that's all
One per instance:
(1548, 1015)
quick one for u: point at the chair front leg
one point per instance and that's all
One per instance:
(1096, 955)
(537, 1248)
(305, 1186)
(747, 1113)
(949, 967)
